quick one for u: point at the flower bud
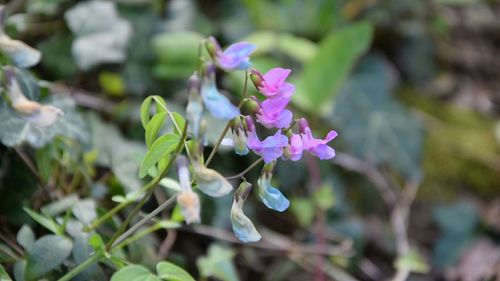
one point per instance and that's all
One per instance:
(287, 152)
(303, 125)
(194, 109)
(248, 124)
(250, 106)
(269, 195)
(190, 206)
(243, 191)
(257, 78)
(187, 199)
(212, 46)
(243, 227)
(210, 181)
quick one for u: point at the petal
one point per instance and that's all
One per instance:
(210, 182)
(286, 90)
(218, 105)
(271, 196)
(21, 54)
(276, 76)
(243, 227)
(240, 49)
(330, 136)
(190, 206)
(323, 152)
(284, 119)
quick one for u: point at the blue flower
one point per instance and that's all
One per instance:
(218, 105)
(243, 227)
(270, 195)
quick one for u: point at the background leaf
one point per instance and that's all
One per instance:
(170, 271)
(47, 253)
(324, 75)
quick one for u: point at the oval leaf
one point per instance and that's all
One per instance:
(170, 271)
(134, 273)
(160, 148)
(145, 109)
(153, 127)
(46, 254)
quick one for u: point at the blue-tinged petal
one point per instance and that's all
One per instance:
(210, 182)
(240, 142)
(243, 227)
(21, 54)
(271, 196)
(218, 105)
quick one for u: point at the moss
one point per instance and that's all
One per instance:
(461, 152)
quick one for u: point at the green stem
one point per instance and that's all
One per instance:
(107, 216)
(228, 125)
(144, 220)
(254, 164)
(81, 267)
(150, 187)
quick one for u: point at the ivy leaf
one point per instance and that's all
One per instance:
(325, 74)
(46, 254)
(134, 273)
(172, 272)
(101, 34)
(218, 263)
(159, 149)
(122, 155)
(375, 126)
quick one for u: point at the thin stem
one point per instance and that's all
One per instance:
(150, 188)
(31, 166)
(254, 164)
(144, 220)
(81, 267)
(228, 125)
(107, 216)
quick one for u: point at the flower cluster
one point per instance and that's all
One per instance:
(289, 142)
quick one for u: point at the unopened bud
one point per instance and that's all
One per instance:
(303, 125)
(257, 78)
(194, 84)
(248, 124)
(250, 106)
(212, 46)
(243, 191)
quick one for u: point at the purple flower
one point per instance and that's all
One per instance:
(270, 148)
(317, 147)
(272, 113)
(295, 148)
(273, 84)
(234, 57)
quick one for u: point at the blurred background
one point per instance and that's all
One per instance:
(412, 88)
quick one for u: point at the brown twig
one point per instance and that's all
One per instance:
(273, 241)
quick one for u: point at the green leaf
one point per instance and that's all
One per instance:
(47, 253)
(375, 126)
(304, 210)
(134, 273)
(180, 121)
(84, 211)
(44, 221)
(324, 197)
(25, 237)
(145, 109)
(412, 261)
(59, 206)
(177, 53)
(170, 271)
(3, 274)
(325, 74)
(161, 104)
(97, 244)
(153, 127)
(163, 146)
(218, 263)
